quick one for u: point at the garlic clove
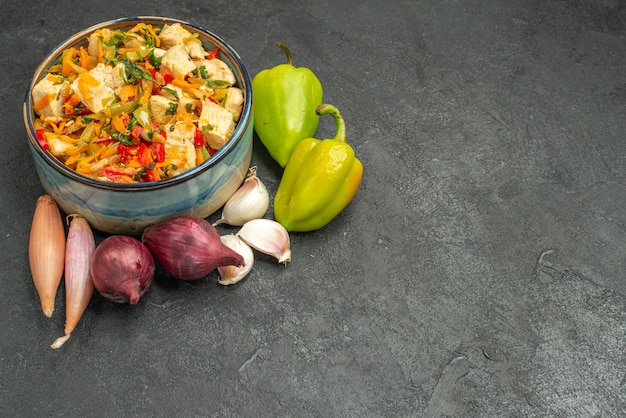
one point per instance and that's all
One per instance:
(250, 201)
(233, 274)
(268, 237)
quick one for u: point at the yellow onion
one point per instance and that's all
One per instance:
(46, 251)
(79, 288)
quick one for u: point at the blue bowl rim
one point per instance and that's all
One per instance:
(77, 38)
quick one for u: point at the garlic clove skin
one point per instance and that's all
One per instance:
(250, 201)
(268, 237)
(233, 274)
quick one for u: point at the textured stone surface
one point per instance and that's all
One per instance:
(480, 271)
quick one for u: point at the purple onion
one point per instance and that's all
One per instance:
(188, 247)
(122, 269)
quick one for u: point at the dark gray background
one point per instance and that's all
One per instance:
(478, 272)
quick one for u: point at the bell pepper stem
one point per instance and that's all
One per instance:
(287, 51)
(323, 109)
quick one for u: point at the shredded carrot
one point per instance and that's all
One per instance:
(73, 152)
(128, 93)
(66, 61)
(119, 123)
(72, 159)
(96, 128)
(133, 164)
(100, 56)
(85, 59)
(44, 102)
(56, 128)
(65, 138)
(147, 91)
(185, 84)
(109, 150)
(199, 156)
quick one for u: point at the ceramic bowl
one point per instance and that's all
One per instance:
(129, 208)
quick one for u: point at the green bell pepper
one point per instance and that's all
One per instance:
(285, 98)
(320, 179)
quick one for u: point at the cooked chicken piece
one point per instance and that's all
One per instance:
(159, 52)
(112, 77)
(172, 35)
(74, 125)
(175, 34)
(195, 49)
(177, 61)
(163, 110)
(188, 105)
(179, 147)
(97, 88)
(233, 102)
(48, 96)
(95, 40)
(216, 69)
(216, 124)
(58, 147)
(172, 92)
(202, 92)
(137, 41)
(177, 95)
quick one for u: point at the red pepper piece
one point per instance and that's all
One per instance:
(198, 139)
(159, 151)
(41, 138)
(213, 53)
(135, 133)
(114, 174)
(124, 152)
(143, 155)
(167, 77)
(150, 175)
(81, 110)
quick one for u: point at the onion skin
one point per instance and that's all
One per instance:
(188, 247)
(79, 248)
(79, 287)
(46, 251)
(122, 269)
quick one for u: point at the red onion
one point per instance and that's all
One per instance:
(188, 247)
(122, 269)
